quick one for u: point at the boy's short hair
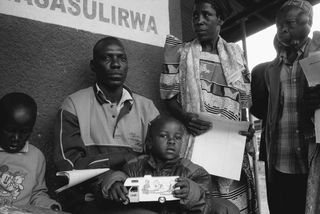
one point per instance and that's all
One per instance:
(158, 121)
(13, 101)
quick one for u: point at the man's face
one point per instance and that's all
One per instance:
(110, 64)
(16, 130)
(292, 26)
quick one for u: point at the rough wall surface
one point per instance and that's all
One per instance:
(49, 62)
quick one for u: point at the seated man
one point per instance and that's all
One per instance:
(102, 126)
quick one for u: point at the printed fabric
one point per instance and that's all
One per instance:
(313, 186)
(22, 178)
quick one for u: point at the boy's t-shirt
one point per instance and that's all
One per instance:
(22, 178)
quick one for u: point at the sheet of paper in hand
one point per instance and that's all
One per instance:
(220, 150)
(78, 176)
(311, 68)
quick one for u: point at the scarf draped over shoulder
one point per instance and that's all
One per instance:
(184, 60)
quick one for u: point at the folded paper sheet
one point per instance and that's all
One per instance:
(220, 150)
(311, 68)
(78, 176)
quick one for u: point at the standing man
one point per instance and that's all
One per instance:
(102, 126)
(289, 127)
(259, 109)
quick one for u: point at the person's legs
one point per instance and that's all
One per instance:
(93, 208)
(220, 205)
(292, 191)
(273, 196)
(125, 210)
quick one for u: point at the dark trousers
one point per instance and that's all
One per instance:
(290, 190)
(92, 208)
(273, 196)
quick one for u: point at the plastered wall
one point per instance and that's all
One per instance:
(50, 62)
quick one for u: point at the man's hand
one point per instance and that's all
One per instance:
(249, 144)
(249, 134)
(55, 207)
(184, 188)
(194, 125)
(118, 192)
(311, 97)
(223, 206)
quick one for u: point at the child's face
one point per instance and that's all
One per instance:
(167, 141)
(16, 130)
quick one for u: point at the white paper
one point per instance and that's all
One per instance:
(144, 21)
(311, 68)
(78, 176)
(220, 150)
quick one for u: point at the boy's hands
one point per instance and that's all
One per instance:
(184, 188)
(118, 192)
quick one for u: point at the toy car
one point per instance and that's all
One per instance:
(148, 188)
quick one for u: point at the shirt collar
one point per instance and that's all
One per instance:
(283, 53)
(126, 95)
(25, 149)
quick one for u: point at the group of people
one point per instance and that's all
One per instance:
(286, 104)
(109, 126)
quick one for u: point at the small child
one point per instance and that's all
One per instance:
(163, 144)
(22, 166)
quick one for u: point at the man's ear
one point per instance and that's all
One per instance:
(220, 22)
(92, 66)
(310, 22)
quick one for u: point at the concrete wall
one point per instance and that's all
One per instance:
(50, 62)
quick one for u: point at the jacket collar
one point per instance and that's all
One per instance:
(167, 164)
(282, 56)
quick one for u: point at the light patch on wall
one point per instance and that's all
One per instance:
(145, 21)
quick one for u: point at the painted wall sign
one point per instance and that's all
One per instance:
(145, 21)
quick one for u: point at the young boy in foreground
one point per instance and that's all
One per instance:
(163, 146)
(22, 166)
